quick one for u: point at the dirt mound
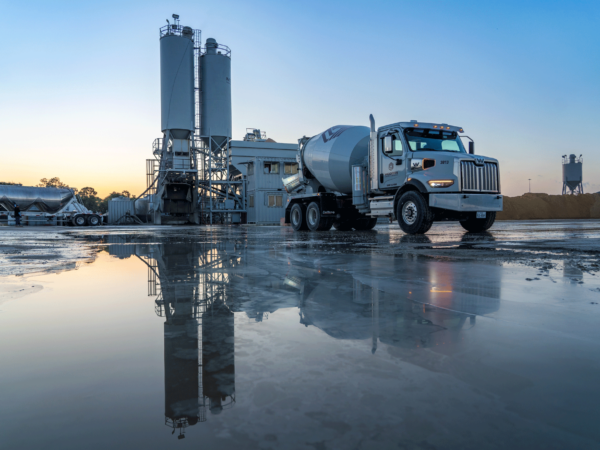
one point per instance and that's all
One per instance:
(543, 206)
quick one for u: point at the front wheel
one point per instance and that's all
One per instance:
(314, 219)
(475, 225)
(297, 217)
(413, 213)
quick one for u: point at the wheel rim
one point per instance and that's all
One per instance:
(79, 221)
(312, 217)
(409, 213)
(93, 220)
(295, 217)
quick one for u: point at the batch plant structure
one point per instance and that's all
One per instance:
(199, 175)
(189, 176)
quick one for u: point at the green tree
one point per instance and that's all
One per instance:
(127, 194)
(88, 196)
(54, 183)
(10, 183)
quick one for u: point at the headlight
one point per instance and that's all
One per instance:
(440, 183)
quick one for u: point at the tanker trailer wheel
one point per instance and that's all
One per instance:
(79, 220)
(93, 220)
(475, 225)
(298, 217)
(368, 223)
(315, 220)
(413, 213)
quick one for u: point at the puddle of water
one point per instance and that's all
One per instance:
(236, 344)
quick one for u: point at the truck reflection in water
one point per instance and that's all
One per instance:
(425, 305)
(406, 302)
(190, 285)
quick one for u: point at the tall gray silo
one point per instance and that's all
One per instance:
(177, 82)
(176, 184)
(215, 93)
(572, 174)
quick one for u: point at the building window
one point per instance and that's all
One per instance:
(291, 168)
(251, 201)
(271, 167)
(275, 201)
(250, 168)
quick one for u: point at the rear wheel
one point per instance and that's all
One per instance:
(297, 217)
(475, 225)
(314, 219)
(413, 213)
(368, 223)
(93, 220)
(79, 220)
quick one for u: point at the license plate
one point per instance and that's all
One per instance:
(481, 215)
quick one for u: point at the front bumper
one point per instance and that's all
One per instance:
(466, 202)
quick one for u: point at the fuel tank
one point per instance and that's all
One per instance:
(49, 200)
(329, 156)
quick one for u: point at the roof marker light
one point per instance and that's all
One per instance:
(416, 124)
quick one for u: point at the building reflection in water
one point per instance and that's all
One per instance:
(190, 284)
(406, 302)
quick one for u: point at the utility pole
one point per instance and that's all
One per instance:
(529, 185)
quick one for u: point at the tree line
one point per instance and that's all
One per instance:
(87, 195)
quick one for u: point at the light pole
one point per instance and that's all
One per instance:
(529, 185)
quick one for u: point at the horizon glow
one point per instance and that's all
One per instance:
(80, 87)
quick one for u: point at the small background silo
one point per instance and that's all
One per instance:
(572, 174)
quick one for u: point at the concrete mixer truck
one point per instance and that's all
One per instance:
(415, 172)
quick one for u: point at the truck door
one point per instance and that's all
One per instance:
(392, 162)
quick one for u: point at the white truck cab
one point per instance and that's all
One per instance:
(430, 159)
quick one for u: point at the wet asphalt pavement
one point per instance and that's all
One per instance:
(259, 337)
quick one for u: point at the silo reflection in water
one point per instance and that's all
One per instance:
(218, 360)
(190, 294)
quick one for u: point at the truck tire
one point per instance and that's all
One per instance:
(478, 225)
(298, 217)
(315, 220)
(93, 220)
(368, 223)
(413, 213)
(79, 220)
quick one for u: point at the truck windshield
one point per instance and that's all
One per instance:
(438, 140)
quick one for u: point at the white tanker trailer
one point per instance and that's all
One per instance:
(46, 206)
(415, 172)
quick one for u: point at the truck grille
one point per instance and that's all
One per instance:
(479, 178)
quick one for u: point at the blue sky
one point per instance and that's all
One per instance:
(79, 85)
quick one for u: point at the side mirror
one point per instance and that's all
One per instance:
(387, 144)
(471, 147)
